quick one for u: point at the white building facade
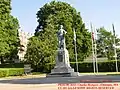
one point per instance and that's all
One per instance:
(24, 39)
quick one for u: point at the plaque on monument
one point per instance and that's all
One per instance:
(62, 66)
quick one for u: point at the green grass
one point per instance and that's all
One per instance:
(37, 73)
(5, 72)
(101, 73)
(87, 73)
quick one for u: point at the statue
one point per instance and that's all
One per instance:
(62, 67)
(61, 38)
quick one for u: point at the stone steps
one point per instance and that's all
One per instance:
(71, 74)
(59, 75)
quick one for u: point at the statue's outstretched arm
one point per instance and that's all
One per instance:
(65, 31)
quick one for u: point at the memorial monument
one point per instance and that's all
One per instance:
(62, 67)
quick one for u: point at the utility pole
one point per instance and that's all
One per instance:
(115, 48)
(75, 50)
(93, 55)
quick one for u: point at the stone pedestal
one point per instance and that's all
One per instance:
(62, 67)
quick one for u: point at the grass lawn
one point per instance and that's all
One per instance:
(87, 73)
(101, 73)
(39, 74)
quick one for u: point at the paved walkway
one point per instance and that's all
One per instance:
(42, 83)
(28, 87)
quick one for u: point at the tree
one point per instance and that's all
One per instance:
(105, 43)
(38, 52)
(50, 17)
(8, 32)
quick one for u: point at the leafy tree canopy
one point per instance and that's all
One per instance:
(105, 44)
(50, 17)
(8, 31)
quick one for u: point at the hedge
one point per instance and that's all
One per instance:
(108, 66)
(5, 72)
(12, 65)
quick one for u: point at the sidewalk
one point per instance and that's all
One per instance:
(29, 87)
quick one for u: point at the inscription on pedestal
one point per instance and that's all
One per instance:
(60, 57)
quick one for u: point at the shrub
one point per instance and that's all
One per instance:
(108, 66)
(4, 72)
(16, 72)
(12, 65)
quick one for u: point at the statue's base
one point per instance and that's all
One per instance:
(72, 74)
(63, 72)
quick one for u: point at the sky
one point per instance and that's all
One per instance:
(98, 12)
